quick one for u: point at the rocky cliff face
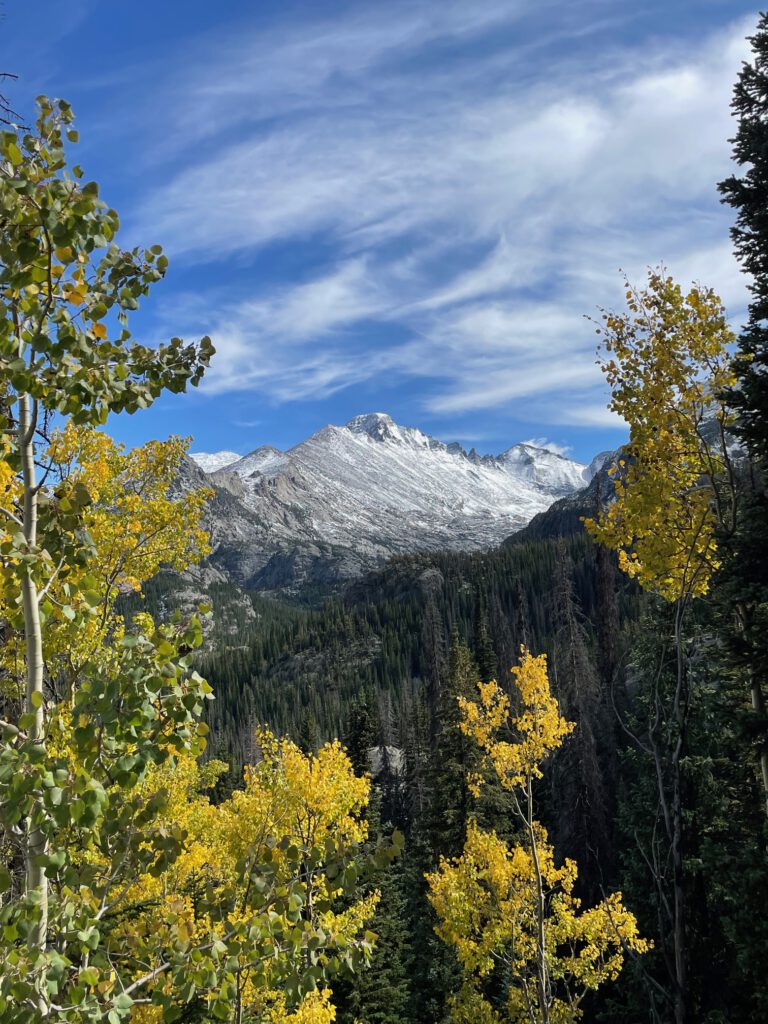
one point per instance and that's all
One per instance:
(350, 497)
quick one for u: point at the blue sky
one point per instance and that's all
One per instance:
(403, 206)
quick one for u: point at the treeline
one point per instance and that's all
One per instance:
(389, 637)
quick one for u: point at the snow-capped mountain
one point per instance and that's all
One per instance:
(210, 463)
(350, 497)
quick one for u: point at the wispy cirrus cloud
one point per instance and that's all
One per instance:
(542, 442)
(464, 211)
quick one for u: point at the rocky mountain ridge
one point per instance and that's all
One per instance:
(350, 497)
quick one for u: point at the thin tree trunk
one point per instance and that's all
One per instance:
(542, 973)
(758, 705)
(680, 939)
(758, 701)
(36, 878)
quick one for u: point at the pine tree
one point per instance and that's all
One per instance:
(432, 654)
(434, 971)
(455, 755)
(485, 653)
(747, 194)
(381, 993)
(361, 734)
(307, 734)
(583, 830)
(744, 578)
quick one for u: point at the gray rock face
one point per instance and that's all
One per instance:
(348, 498)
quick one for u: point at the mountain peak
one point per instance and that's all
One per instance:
(543, 468)
(377, 425)
(380, 427)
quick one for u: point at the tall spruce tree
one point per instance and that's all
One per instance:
(582, 826)
(485, 654)
(455, 755)
(747, 193)
(361, 733)
(744, 581)
(381, 994)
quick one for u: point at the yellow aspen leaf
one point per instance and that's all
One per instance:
(76, 296)
(668, 365)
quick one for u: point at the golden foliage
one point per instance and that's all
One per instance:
(135, 528)
(539, 728)
(289, 798)
(667, 363)
(314, 796)
(487, 902)
(315, 1008)
(513, 906)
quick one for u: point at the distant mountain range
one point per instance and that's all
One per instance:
(350, 497)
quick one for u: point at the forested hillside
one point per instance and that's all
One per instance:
(388, 636)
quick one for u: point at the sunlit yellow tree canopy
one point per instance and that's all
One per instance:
(539, 729)
(666, 360)
(259, 838)
(513, 907)
(134, 526)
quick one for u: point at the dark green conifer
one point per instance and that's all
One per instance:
(485, 653)
(361, 734)
(744, 582)
(747, 193)
(455, 755)
(307, 734)
(381, 993)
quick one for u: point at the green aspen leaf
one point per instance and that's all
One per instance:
(36, 699)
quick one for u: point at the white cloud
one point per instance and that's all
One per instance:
(585, 415)
(473, 214)
(550, 446)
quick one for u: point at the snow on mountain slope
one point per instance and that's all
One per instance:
(357, 494)
(597, 464)
(211, 462)
(543, 469)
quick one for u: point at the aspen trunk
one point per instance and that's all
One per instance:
(758, 705)
(36, 878)
(680, 938)
(679, 905)
(543, 971)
